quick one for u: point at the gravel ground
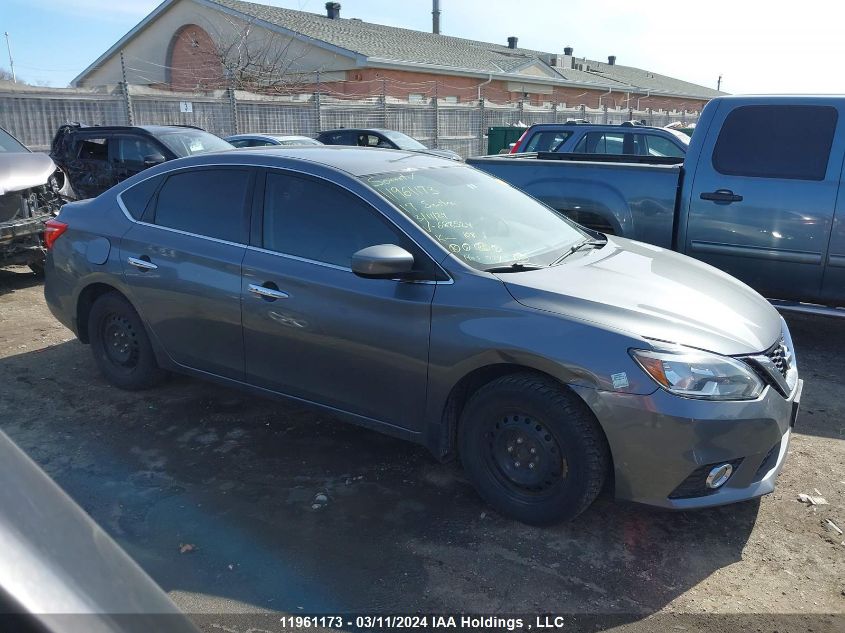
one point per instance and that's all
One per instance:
(288, 510)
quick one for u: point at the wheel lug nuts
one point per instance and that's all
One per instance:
(510, 448)
(519, 440)
(533, 451)
(531, 465)
(517, 464)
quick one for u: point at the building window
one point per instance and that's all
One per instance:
(416, 97)
(450, 99)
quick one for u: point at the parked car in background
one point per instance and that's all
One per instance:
(758, 195)
(263, 140)
(94, 158)
(428, 300)
(374, 137)
(29, 195)
(629, 138)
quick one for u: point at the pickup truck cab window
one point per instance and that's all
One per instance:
(207, 202)
(787, 141)
(319, 221)
(480, 219)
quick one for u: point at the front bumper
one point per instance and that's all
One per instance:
(659, 440)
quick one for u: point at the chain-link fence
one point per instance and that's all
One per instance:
(34, 114)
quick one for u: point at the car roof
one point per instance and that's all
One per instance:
(614, 126)
(150, 129)
(270, 135)
(356, 161)
(379, 130)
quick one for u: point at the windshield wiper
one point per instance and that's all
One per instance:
(576, 248)
(516, 267)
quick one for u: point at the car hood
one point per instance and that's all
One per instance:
(22, 170)
(653, 293)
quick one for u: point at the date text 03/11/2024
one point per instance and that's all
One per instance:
(462, 622)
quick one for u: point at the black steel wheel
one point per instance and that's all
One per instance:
(120, 344)
(121, 340)
(525, 455)
(532, 449)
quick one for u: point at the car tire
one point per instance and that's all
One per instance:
(532, 449)
(120, 344)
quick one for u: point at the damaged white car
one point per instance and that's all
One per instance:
(29, 196)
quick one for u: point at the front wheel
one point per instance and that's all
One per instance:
(121, 347)
(532, 449)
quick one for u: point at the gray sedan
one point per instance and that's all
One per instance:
(425, 299)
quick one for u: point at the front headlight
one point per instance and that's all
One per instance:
(695, 374)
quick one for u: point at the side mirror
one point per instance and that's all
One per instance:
(153, 159)
(384, 261)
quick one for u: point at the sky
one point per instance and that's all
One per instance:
(756, 46)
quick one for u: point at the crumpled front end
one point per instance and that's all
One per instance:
(29, 196)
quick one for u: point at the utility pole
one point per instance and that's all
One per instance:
(124, 87)
(435, 16)
(719, 83)
(11, 61)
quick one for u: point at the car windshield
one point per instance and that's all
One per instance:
(8, 143)
(188, 142)
(478, 218)
(403, 141)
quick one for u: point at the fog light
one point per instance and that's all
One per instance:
(719, 476)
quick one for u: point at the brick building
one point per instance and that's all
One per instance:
(189, 45)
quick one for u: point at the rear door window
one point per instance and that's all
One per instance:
(208, 202)
(137, 198)
(547, 141)
(768, 141)
(131, 151)
(660, 146)
(602, 143)
(96, 149)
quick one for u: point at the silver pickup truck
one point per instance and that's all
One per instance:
(757, 195)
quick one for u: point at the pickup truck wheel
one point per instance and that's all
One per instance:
(120, 344)
(533, 450)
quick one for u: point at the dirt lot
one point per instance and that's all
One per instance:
(236, 477)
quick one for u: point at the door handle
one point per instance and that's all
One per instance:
(270, 294)
(721, 195)
(142, 263)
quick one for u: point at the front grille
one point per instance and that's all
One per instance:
(779, 356)
(695, 484)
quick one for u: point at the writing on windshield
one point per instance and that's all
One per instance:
(477, 217)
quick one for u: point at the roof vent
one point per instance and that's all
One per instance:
(333, 10)
(611, 60)
(567, 50)
(512, 42)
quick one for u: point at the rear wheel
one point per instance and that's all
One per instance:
(120, 344)
(532, 449)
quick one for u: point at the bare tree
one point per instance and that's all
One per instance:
(257, 59)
